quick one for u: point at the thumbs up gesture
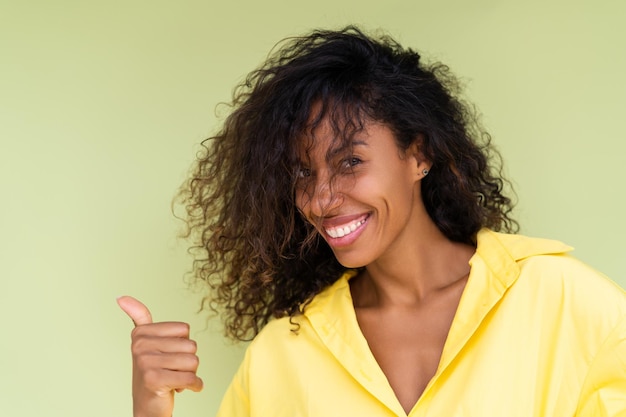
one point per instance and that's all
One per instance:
(164, 361)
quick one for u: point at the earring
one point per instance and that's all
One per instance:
(425, 172)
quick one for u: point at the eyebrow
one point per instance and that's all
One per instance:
(334, 152)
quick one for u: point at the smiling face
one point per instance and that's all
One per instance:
(364, 200)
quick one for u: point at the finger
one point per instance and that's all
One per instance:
(138, 312)
(166, 381)
(176, 362)
(172, 344)
(163, 329)
(189, 381)
(197, 385)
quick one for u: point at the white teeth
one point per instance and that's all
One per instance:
(342, 231)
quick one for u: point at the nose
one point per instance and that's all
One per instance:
(323, 197)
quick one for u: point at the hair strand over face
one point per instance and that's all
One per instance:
(255, 251)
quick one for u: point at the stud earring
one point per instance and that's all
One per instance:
(425, 172)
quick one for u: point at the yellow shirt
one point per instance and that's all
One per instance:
(536, 333)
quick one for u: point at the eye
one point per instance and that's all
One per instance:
(303, 172)
(351, 162)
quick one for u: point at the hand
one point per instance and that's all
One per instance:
(164, 361)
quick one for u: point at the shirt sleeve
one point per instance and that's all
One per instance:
(604, 389)
(236, 400)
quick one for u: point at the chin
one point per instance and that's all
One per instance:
(351, 262)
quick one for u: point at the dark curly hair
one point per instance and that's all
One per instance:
(257, 254)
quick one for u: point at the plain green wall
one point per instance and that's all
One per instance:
(102, 105)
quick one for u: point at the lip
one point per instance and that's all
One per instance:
(335, 222)
(343, 220)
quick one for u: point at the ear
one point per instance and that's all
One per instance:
(421, 165)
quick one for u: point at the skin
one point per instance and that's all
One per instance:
(405, 299)
(164, 361)
(414, 276)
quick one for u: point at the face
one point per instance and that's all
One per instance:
(362, 200)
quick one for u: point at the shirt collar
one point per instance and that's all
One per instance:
(494, 268)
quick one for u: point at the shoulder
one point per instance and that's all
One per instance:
(575, 286)
(569, 272)
(546, 269)
(278, 332)
(329, 311)
(292, 329)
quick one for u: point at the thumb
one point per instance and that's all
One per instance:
(135, 309)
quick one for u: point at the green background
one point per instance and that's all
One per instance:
(102, 105)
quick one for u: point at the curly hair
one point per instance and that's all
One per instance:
(257, 254)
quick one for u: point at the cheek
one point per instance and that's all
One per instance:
(386, 183)
(396, 190)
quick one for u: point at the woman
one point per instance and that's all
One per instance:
(348, 217)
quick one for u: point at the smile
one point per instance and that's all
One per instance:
(345, 229)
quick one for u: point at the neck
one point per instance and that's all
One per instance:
(419, 266)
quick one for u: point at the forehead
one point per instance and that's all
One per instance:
(328, 139)
(332, 127)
